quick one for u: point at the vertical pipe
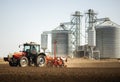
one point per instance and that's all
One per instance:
(55, 48)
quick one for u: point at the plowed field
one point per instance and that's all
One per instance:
(69, 74)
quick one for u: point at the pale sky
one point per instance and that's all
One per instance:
(24, 20)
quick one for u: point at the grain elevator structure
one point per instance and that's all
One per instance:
(95, 38)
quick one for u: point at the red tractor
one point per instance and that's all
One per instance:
(31, 56)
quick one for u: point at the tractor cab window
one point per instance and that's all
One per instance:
(38, 48)
(35, 47)
(27, 48)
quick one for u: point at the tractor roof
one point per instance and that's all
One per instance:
(31, 43)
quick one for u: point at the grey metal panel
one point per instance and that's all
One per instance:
(108, 41)
(91, 38)
(61, 36)
(44, 41)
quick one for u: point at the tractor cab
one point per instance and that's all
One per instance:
(31, 48)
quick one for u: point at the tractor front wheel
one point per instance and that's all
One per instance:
(13, 64)
(23, 62)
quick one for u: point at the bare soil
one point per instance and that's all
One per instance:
(78, 70)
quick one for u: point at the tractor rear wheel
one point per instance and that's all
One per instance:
(23, 61)
(40, 61)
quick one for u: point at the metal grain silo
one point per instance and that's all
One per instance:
(108, 40)
(61, 37)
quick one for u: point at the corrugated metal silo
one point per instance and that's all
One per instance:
(108, 40)
(61, 36)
